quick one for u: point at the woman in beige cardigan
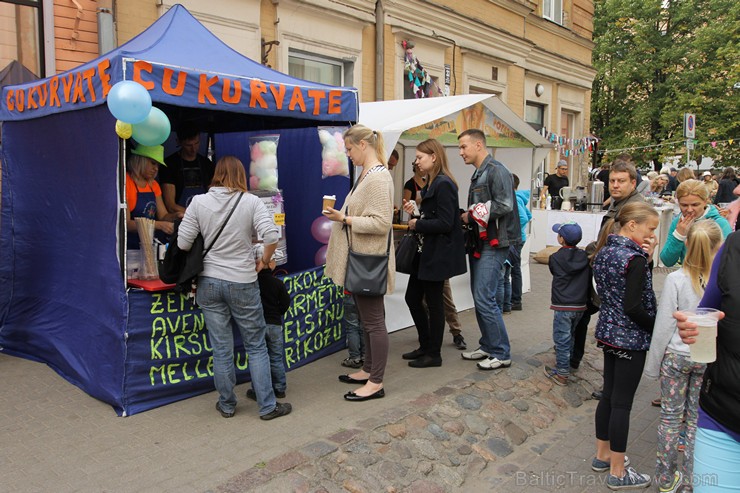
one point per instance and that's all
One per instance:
(368, 213)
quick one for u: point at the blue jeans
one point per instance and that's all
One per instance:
(276, 352)
(221, 301)
(353, 329)
(484, 279)
(563, 325)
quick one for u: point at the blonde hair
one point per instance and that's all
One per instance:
(702, 242)
(358, 133)
(434, 148)
(230, 173)
(685, 174)
(135, 165)
(692, 187)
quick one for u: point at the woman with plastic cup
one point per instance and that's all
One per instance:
(717, 447)
(693, 199)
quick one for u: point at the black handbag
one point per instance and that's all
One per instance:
(367, 274)
(182, 267)
(406, 252)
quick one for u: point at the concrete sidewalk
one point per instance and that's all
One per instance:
(510, 428)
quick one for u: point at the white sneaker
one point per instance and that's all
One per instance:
(475, 355)
(494, 364)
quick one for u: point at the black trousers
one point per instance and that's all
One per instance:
(622, 373)
(429, 324)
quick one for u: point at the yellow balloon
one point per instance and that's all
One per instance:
(123, 129)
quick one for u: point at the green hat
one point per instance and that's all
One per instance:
(152, 152)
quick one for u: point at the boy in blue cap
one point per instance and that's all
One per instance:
(571, 275)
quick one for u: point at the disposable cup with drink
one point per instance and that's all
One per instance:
(704, 350)
(329, 201)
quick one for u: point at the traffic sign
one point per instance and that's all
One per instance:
(690, 144)
(689, 125)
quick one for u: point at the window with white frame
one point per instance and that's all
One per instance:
(317, 68)
(553, 10)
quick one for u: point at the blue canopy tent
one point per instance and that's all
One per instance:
(63, 294)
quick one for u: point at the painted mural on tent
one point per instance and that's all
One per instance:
(447, 128)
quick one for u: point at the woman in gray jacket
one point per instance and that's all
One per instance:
(227, 287)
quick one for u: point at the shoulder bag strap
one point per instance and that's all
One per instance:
(346, 207)
(238, 199)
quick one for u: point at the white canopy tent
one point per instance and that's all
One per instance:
(405, 123)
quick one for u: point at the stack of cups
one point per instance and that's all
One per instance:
(704, 350)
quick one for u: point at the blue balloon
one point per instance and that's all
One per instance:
(154, 130)
(129, 101)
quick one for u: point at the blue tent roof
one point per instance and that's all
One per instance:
(183, 65)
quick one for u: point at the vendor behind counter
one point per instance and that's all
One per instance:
(143, 194)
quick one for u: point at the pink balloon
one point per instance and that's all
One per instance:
(320, 257)
(254, 182)
(321, 229)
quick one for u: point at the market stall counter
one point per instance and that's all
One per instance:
(169, 354)
(590, 222)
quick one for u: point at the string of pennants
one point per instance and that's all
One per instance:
(676, 143)
(568, 146)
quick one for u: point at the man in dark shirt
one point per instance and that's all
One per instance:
(553, 184)
(187, 173)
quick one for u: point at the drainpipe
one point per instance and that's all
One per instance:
(106, 31)
(379, 50)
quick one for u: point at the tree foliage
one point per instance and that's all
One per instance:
(655, 61)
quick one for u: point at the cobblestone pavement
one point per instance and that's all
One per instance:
(512, 430)
(452, 428)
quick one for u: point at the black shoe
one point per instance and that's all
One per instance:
(348, 379)
(252, 395)
(281, 409)
(425, 362)
(224, 413)
(351, 396)
(459, 342)
(597, 394)
(516, 308)
(416, 353)
(574, 365)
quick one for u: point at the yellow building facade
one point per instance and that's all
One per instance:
(534, 54)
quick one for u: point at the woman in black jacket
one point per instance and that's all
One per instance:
(442, 252)
(727, 183)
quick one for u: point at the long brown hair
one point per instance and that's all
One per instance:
(434, 148)
(230, 174)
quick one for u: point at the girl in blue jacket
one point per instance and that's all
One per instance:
(624, 283)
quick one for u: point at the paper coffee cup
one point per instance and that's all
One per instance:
(329, 201)
(704, 350)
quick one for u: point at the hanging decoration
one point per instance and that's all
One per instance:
(570, 147)
(676, 144)
(418, 79)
